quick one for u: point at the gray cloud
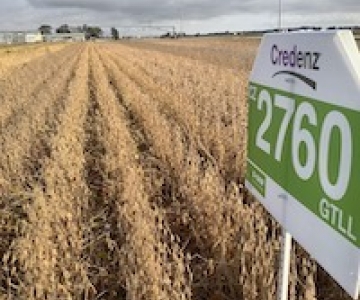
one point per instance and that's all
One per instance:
(197, 15)
(201, 8)
(198, 9)
(156, 9)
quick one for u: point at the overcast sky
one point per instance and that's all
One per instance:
(190, 16)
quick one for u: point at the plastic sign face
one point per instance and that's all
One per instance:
(304, 144)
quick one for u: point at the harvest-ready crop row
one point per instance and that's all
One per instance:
(121, 177)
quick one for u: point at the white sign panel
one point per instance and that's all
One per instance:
(304, 144)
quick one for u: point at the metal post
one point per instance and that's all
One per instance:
(284, 268)
(280, 8)
(181, 20)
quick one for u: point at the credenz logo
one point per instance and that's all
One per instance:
(296, 60)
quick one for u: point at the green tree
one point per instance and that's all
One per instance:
(63, 29)
(45, 29)
(94, 32)
(114, 33)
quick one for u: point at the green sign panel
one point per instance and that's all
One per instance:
(307, 147)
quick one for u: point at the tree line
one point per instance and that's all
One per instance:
(89, 31)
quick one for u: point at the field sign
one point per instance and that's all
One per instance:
(304, 144)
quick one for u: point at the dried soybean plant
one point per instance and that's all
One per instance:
(190, 180)
(44, 261)
(153, 264)
(13, 57)
(121, 177)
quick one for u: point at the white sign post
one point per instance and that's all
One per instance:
(284, 268)
(304, 145)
